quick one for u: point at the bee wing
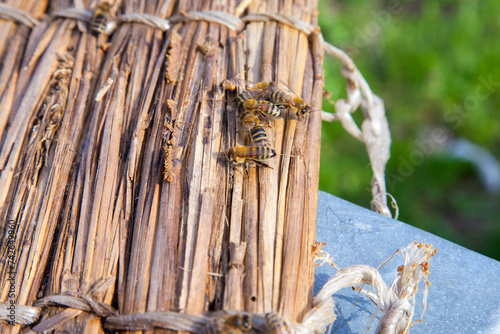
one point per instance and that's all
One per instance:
(110, 28)
(254, 86)
(240, 83)
(289, 93)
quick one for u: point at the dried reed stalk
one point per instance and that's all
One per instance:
(101, 214)
(12, 46)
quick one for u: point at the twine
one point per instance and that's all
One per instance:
(24, 315)
(375, 132)
(146, 19)
(74, 303)
(72, 13)
(288, 20)
(15, 14)
(232, 22)
(214, 16)
(77, 301)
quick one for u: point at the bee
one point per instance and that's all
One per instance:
(243, 322)
(233, 84)
(276, 325)
(250, 122)
(239, 155)
(284, 96)
(100, 18)
(253, 90)
(246, 95)
(264, 108)
(258, 135)
(279, 95)
(237, 324)
(213, 326)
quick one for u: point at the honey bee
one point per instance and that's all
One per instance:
(276, 324)
(246, 95)
(243, 322)
(258, 135)
(233, 84)
(239, 155)
(213, 326)
(279, 95)
(284, 96)
(235, 324)
(248, 120)
(251, 123)
(252, 91)
(100, 18)
(264, 108)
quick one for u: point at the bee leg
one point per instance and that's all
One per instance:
(260, 163)
(292, 113)
(246, 168)
(265, 120)
(105, 46)
(283, 110)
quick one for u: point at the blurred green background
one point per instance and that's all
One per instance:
(436, 64)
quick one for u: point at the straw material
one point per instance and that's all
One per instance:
(113, 167)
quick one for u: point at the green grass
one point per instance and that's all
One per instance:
(429, 61)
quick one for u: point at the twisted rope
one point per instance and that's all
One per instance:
(26, 315)
(214, 16)
(285, 19)
(375, 132)
(72, 13)
(232, 22)
(23, 315)
(146, 19)
(15, 14)
(75, 303)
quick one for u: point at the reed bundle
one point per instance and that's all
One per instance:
(113, 166)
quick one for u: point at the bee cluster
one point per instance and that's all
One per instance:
(262, 101)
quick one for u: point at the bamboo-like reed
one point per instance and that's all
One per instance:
(84, 126)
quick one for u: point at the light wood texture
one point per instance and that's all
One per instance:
(82, 168)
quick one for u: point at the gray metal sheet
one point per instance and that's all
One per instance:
(464, 295)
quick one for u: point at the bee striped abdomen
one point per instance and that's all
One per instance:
(239, 323)
(213, 326)
(277, 97)
(258, 135)
(248, 120)
(268, 109)
(99, 25)
(261, 152)
(100, 18)
(247, 155)
(276, 324)
(245, 95)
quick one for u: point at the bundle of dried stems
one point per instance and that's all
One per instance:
(113, 169)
